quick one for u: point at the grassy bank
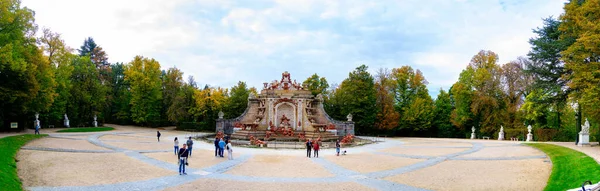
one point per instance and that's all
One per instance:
(570, 168)
(86, 129)
(9, 146)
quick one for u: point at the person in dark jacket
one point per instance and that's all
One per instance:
(190, 143)
(337, 147)
(158, 135)
(183, 154)
(217, 147)
(308, 148)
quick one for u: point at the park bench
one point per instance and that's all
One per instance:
(486, 137)
(590, 187)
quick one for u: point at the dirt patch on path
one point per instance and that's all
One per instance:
(59, 143)
(480, 175)
(366, 163)
(280, 166)
(42, 168)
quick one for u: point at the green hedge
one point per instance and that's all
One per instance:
(518, 133)
(198, 126)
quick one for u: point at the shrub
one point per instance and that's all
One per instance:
(199, 126)
(545, 134)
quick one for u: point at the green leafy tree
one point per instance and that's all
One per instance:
(88, 95)
(357, 96)
(120, 108)
(515, 84)
(27, 78)
(462, 94)
(442, 112)
(143, 75)
(317, 85)
(487, 104)
(580, 22)
(95, 52)
(547, 69)
(387, 117)
(412, 99)
(238, 100)
(60, 58)
(172, 84)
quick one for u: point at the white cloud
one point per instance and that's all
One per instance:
(223, 41)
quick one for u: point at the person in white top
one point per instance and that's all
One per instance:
(229, 150)
(176, 145)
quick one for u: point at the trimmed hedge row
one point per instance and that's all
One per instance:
(198, 126)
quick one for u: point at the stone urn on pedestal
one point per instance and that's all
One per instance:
(95, 122)
(529, 135)
(501, 133)
(473, 132)
(584, 135)
(66, 121)
(37, 123)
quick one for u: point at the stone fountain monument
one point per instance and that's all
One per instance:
(584, 135)
(284, 106)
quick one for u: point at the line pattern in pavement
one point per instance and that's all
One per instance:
(217, 171)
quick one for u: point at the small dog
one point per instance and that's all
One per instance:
(344, 152)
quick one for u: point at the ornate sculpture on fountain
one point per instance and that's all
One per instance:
(473, 132)
(584, 135)
(221, 114)
(501, 134)
(66, 121)
(529, 135)
(349, 117)
(284, 106)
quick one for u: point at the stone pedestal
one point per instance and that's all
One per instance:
(529, 137)
(472, 135)
(584, 139)
(501, 136)
(95, 124)
(66, 123)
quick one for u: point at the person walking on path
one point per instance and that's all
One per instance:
(176, 145)
(190, 143)
(337, 147)
(158, 135)
(183, 154)
(229, 150)
(221, 147)
(308, 148)
(216, 146)
(316, 148)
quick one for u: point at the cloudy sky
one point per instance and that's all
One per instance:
(221, 42)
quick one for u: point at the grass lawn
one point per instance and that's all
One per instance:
(86, 129)
(570, 168)
(9, 180)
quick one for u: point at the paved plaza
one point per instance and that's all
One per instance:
(130, 158)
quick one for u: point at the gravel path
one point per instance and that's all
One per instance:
(394, 164)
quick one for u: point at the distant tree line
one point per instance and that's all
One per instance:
(558, 79)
